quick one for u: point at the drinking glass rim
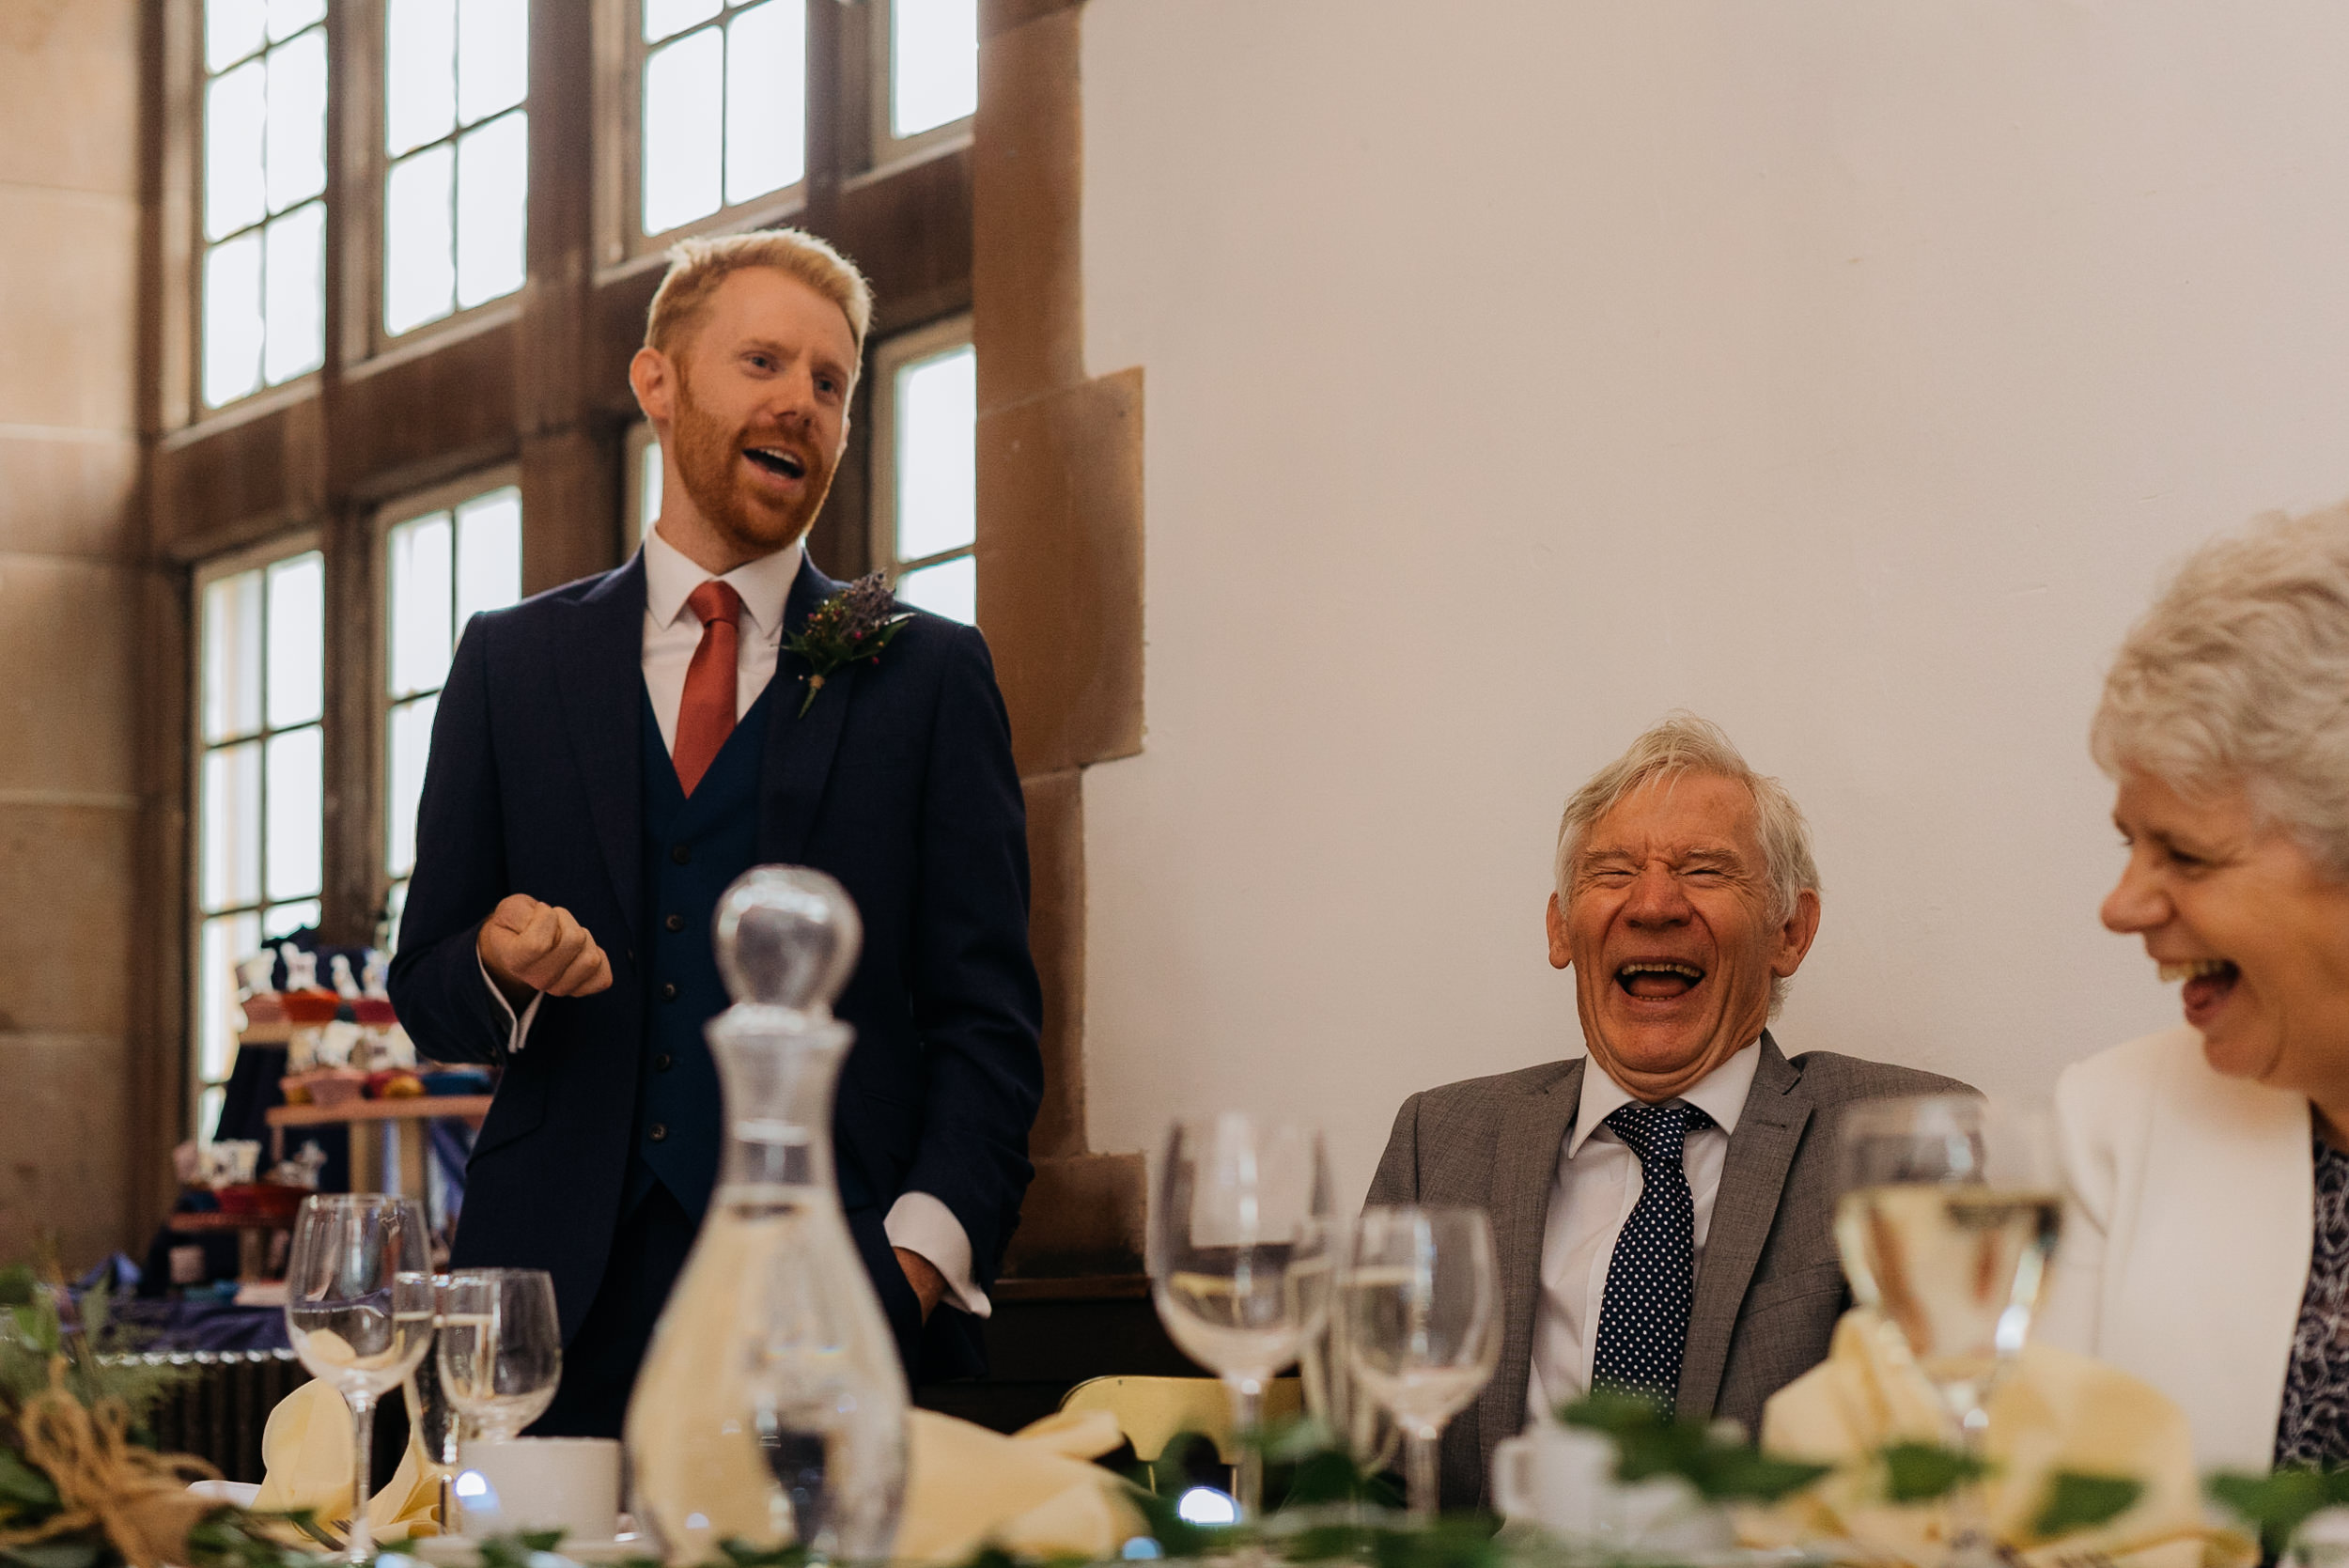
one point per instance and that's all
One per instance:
(1432, 1210)
(1384, 1214)
(1207, 1121)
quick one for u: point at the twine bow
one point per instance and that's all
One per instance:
(139, 1499)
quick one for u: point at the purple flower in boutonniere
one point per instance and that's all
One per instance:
(855, 623)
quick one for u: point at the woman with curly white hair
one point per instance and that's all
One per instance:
(2206, 1239)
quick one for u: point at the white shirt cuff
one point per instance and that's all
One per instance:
(520, 1028)
(921, 1224)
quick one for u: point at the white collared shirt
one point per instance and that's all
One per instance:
(673, 631)
(917, 1221)
(1597, 1182)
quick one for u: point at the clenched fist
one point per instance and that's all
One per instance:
(528, 946)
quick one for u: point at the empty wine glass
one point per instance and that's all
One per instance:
(501, 1348)
(359, 1310)
(1241, 1203)
(1420, 1310)
(1948, 1218)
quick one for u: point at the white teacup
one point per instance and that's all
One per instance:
(505, 1485)
(1555, 1477)
(1563, 1478)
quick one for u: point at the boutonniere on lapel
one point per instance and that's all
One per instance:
(855, 623)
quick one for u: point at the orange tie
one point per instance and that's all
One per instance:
(706, 716)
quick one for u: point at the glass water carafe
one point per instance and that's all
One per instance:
(772, 1407)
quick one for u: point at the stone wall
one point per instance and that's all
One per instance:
(73, 600)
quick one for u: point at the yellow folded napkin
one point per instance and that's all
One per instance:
(1034, 1493)
(306, 1456)
(2052, 1411)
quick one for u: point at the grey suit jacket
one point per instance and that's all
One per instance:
(1770, 1287)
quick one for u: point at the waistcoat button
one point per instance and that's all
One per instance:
(668, 990)
(674, 922)
(662, 1063)
(657, 1132)
(681, 853)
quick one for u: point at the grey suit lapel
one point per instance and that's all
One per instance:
(1761, 1152)
(1525, 1166)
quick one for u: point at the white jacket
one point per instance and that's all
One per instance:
(2189, 1207)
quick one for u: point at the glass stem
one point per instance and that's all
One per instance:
(359, 1544)
(1970, 1543)
(1419, 1472)
(1248, 1474)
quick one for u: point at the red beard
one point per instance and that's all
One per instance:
(709, 460)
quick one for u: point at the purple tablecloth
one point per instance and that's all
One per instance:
(200, 1325)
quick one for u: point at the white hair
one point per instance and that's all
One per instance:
(2238, 677)
(1684, 743)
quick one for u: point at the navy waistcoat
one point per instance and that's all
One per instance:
(692, 848)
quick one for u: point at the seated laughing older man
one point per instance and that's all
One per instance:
(1663, 1222)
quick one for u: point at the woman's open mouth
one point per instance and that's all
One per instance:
(2208, 983)
(1657, 979)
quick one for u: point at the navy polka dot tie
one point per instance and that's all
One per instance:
(1651, 1281)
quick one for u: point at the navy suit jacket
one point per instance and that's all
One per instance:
(898, 781)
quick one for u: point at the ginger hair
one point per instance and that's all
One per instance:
(697, 266)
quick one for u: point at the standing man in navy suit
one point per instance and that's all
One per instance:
(609, 755)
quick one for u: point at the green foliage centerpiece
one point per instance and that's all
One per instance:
(76, 1489)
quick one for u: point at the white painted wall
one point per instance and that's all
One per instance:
(1844, 370)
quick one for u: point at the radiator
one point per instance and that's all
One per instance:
(218, 1414)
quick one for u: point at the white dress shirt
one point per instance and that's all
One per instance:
(1599, 1181)
(917, 1221)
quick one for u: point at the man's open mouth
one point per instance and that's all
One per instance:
(1657, 979)
(2208, 980)
(775, 459)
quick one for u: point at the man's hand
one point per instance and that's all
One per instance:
(528, 946)
(923, 1274)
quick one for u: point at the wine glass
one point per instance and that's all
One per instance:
(1241, 1203)
(501, 1348)
(434, 1421)
(359, 1310)
(1420, 1310)
(1949, 1216)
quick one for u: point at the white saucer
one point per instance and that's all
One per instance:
(457, 1551)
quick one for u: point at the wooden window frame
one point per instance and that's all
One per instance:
(640, 439)
(260, 553)
(533, 385)
(886, 360)
(364, 59)
(884, 150)
(619, 143)
(186, 76)
(444, 497)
